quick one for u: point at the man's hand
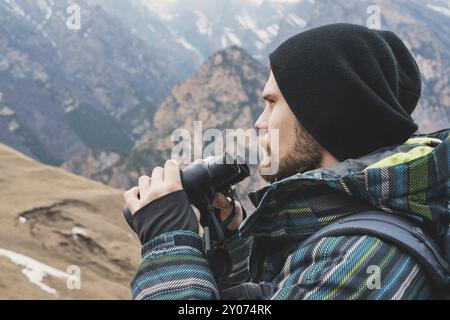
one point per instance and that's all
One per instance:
(225, 206)
(159, 204)
(167, 180)
(163, 182)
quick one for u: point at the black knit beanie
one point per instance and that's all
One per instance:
(352, 88)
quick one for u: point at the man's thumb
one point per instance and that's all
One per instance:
(222, 203)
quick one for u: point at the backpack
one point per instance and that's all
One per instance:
(401, 232)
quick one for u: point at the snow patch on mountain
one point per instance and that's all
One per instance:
(46, 7)
(286, 1)
(230, 38)
(34, 270)
(295, 21)
(203, 24)
(6, 112)
(159, 6)
(265, 35)
(77, 231)
(15, 7)
(443, 10)
(247, 22)
(186, 44)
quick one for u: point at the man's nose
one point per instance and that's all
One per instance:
(263, 121)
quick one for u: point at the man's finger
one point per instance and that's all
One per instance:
(196, 211)
(197, 214)
(157, 177)
(172, 174)
(131, 199)
(144, 185)
(131, 193)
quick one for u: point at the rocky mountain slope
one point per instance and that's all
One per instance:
(259, 26)
(53, 222)
(64, 92)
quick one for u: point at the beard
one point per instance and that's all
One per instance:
(305, 156)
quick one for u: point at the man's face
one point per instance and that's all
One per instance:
(299, 152)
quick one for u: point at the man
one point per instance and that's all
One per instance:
(341, 97)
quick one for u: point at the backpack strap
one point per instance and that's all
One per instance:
(248, 291)
(401, 232)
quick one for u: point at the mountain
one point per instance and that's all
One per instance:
(224, 93)
(181, 57)
(208, 26)
(65, 92)
(259, 26)
(50, 220)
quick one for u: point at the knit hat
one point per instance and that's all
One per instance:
(352, 88)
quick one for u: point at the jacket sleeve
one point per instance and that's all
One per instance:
(357, 267)
(174, 267)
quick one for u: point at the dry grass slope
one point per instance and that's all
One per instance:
(56, 219)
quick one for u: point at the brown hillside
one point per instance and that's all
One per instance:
(50, 220)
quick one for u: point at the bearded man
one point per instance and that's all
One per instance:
(341, 98)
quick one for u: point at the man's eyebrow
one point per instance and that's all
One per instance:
(269, 97)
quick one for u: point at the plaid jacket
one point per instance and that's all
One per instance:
(410, 179)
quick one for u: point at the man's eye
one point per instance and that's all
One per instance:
(270, 104)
